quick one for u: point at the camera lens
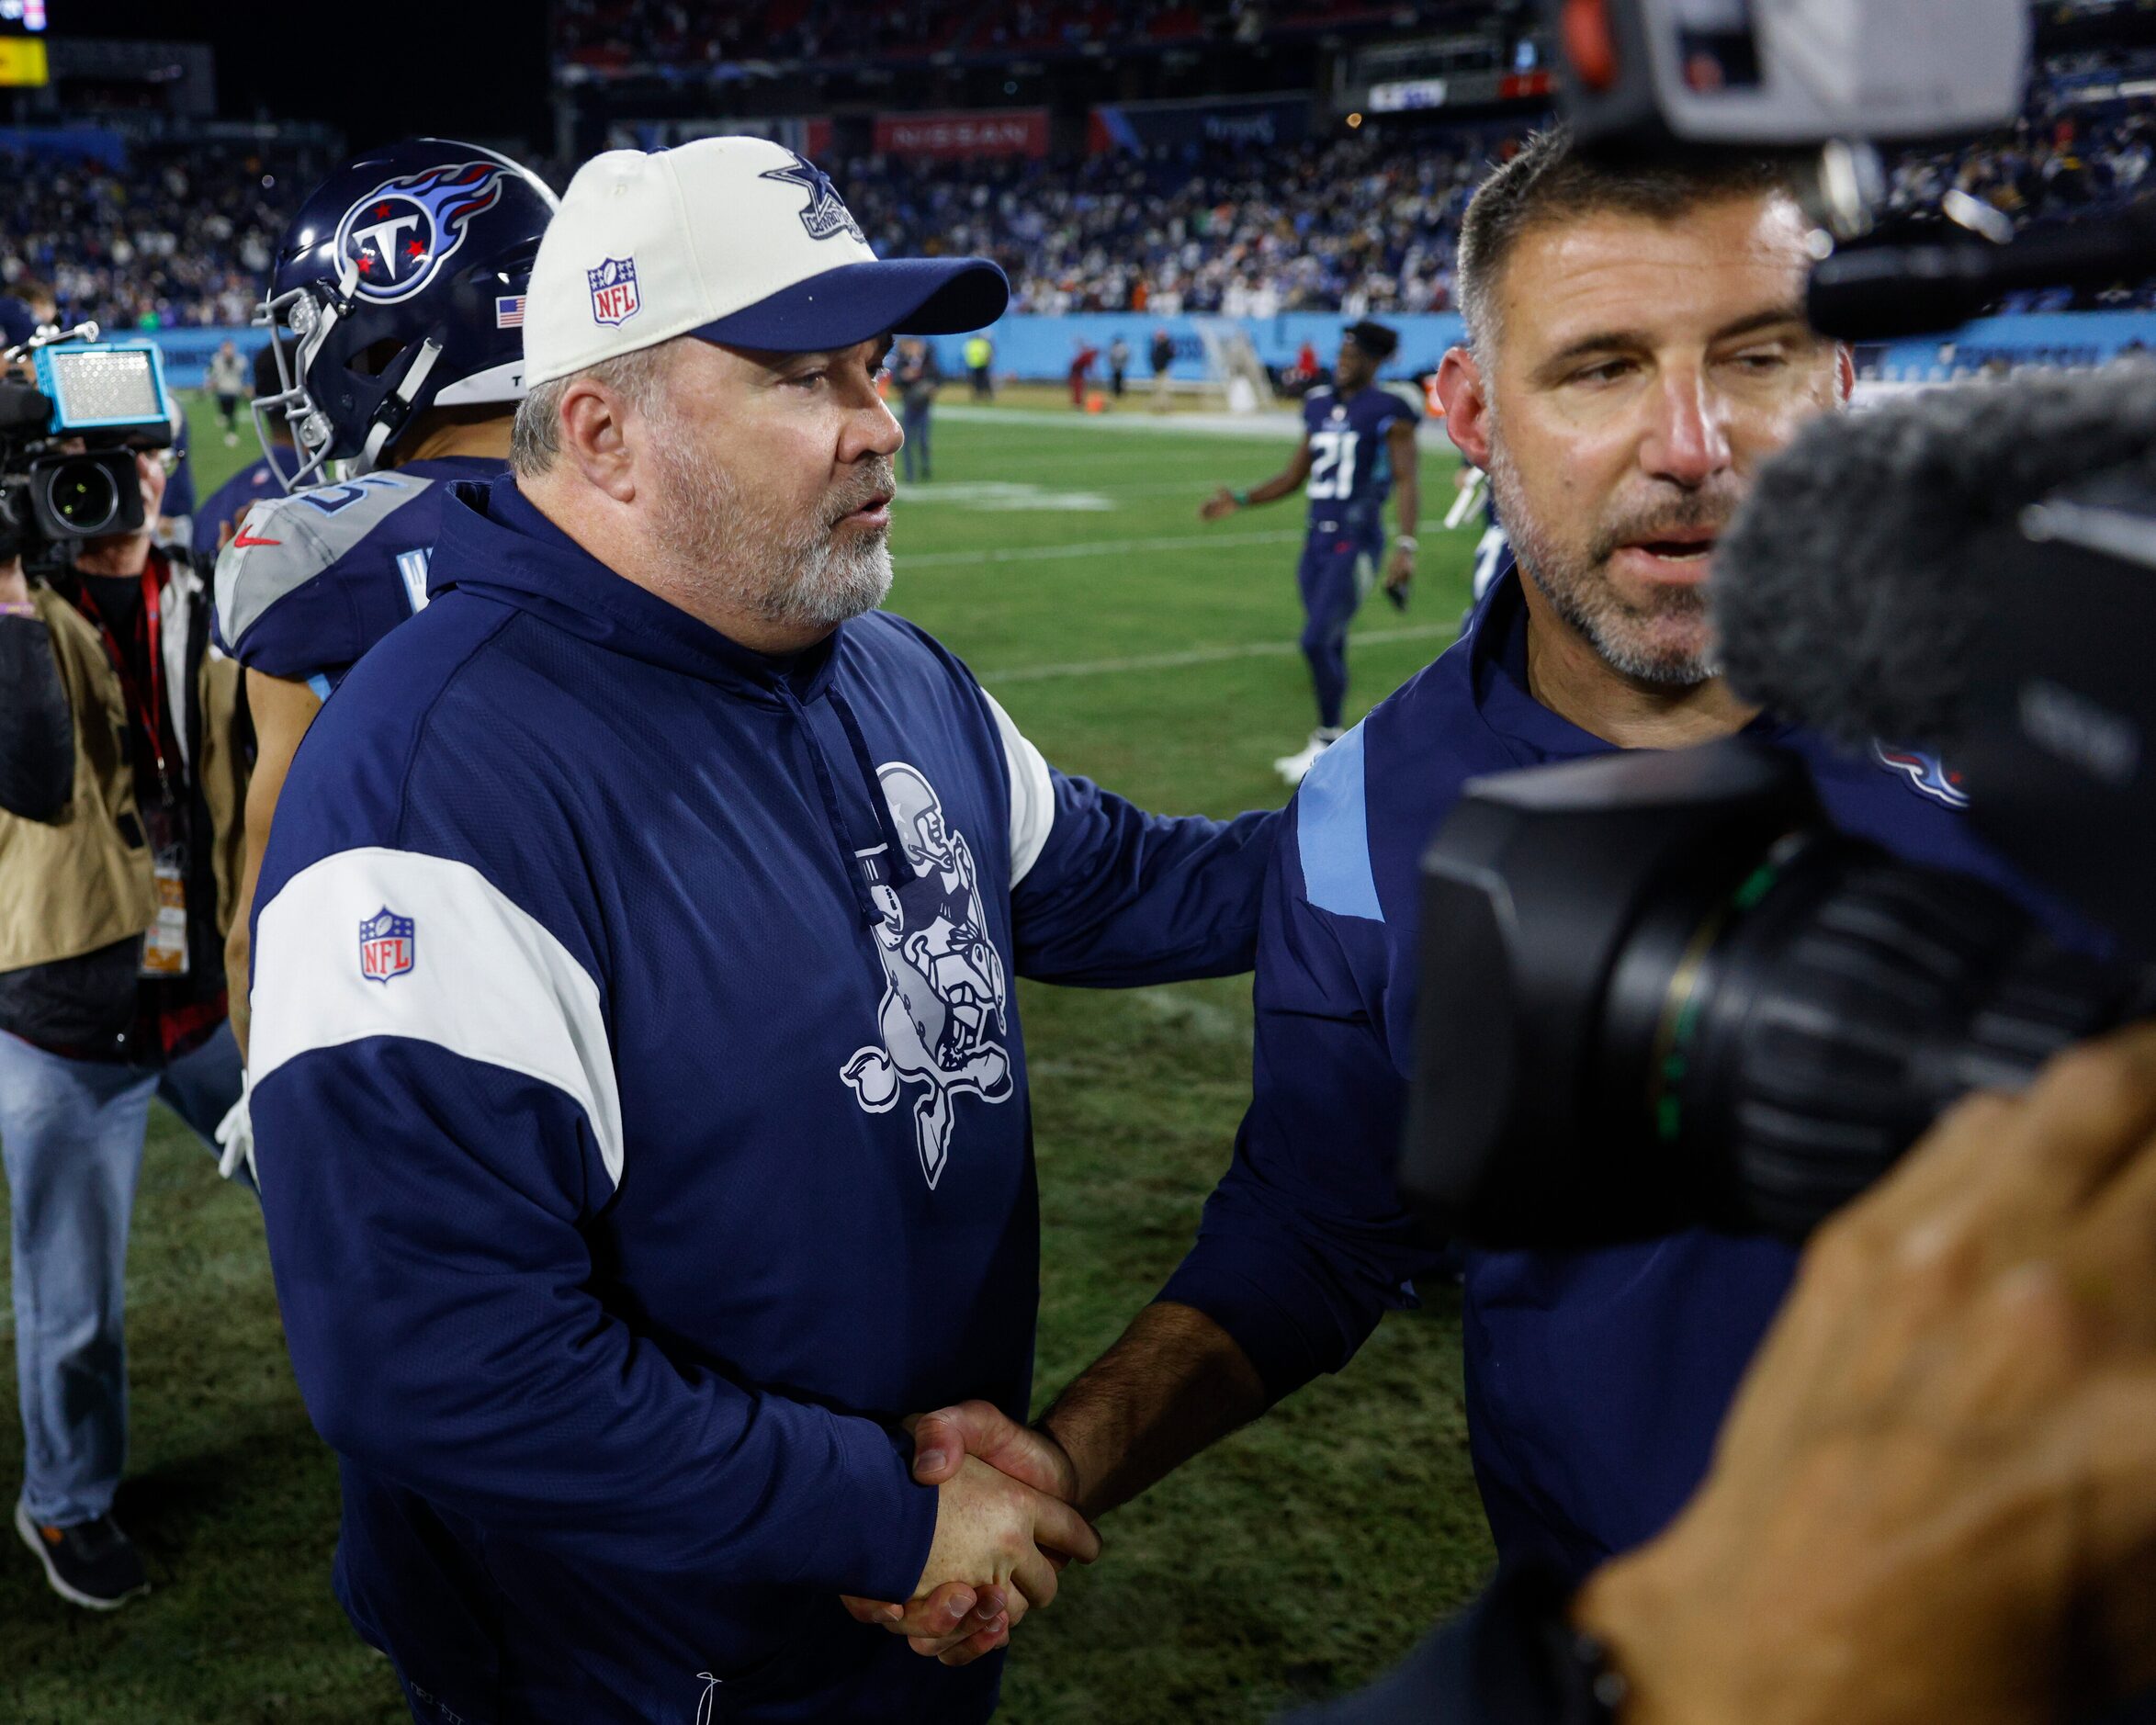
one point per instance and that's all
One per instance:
(80, 493)
(1659, 990)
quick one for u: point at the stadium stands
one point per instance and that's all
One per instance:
(182, 237)
(1362, 224)
(1338, 225)
(620, 39)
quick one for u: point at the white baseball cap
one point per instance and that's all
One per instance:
(735, 240)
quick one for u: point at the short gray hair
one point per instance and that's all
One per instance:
(1551, 181)
(534, 441)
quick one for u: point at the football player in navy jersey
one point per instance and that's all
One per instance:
(1358, 440)
(396, 317)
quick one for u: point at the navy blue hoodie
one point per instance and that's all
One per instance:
(1595, 1381)
(642, 1121)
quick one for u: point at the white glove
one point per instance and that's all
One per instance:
(235, 1134)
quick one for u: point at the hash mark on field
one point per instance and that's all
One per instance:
(1209, 655)
(1091, 548)
(1004, 495)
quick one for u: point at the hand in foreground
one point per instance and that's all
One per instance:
(998, 1545)
(1935, 1497)
(1221, 502)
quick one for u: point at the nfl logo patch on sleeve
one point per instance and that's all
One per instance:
(386, 945)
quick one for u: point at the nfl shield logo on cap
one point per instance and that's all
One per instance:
(386, 945)
(614, 290)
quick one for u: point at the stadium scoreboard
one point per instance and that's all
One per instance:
(22, 45)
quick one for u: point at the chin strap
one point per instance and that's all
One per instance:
(386, 424)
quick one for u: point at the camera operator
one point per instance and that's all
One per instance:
(1935, 1495)
(122, 773)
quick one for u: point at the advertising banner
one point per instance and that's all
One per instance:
(992, 131)
(1260, 120)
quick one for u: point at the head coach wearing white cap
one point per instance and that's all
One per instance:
(639, 1099)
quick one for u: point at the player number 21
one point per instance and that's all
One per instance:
(1332, 464)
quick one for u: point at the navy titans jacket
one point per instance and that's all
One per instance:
(1597, 1380)
(642, 1123)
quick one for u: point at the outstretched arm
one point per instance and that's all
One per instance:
(1173, 1383)
(1288, 480)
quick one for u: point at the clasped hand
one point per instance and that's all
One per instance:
(1005, 1529)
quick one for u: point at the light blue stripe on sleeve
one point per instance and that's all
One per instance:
(1332, 833)
(321, 685)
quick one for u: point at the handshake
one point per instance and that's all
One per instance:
(1005, 1528)
(1934, 1499)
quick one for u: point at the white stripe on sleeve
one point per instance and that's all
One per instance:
(1033, 795)
(487, 982)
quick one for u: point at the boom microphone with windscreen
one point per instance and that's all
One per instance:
(1882, 583)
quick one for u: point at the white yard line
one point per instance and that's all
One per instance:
(1208, 655)
(1090, 547)
(1271, 425)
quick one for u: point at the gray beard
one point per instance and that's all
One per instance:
(790, 571)
(1578, 589)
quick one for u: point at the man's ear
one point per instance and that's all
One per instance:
(1844, 373)
(1465, 398)
(593, 437)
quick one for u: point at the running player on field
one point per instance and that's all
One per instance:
(1357, 438)
(396, 315)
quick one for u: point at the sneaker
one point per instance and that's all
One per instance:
(1293, 767)
(92, 1563)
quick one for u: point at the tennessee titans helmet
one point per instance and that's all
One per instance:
(398, 287)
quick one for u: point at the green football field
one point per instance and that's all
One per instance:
(1063, 559)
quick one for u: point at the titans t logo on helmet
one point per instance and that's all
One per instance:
(400, 234)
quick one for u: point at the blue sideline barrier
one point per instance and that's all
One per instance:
(1043, 347)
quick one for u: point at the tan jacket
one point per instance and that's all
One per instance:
(82, 880)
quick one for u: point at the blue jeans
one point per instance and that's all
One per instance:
(70, 1133)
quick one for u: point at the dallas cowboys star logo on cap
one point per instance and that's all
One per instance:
(827, 213)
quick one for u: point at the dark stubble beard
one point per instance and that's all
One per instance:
(791, 570)
(1577, 585)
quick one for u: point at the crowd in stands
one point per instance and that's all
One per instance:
(1369, 227)
(182, 236)
(1335, 225)
(602, 37)
(1359, 224)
